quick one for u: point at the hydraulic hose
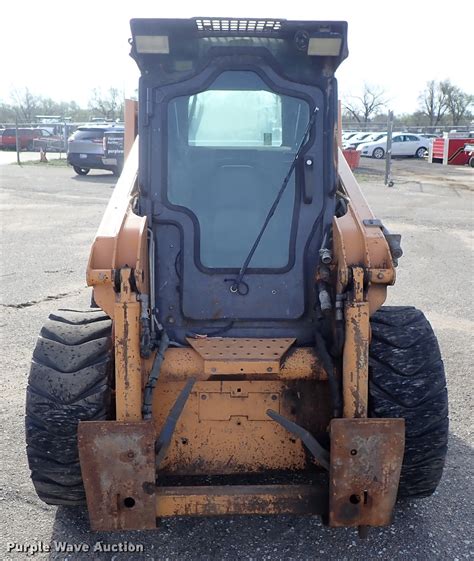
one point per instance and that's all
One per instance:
(154, 374)
(334, 384)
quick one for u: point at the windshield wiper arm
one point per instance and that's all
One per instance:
(235, 286)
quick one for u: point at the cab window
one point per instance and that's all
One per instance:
(229, 149)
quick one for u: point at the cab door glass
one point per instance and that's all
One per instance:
(244, 119)
(229, 149)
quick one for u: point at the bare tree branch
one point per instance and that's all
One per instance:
(25, 104)
(353, 110)
(366, 106)
(108, 105)
(457, 101)
(433, 101)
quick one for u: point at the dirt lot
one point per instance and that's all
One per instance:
(421, 174)
(49, 217)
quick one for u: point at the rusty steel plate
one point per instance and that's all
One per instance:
(230, 432)
(226, 355)
(118, 468)
(241, 499)
(366, 459)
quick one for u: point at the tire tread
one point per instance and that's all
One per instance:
(407, 379)
(69, 381)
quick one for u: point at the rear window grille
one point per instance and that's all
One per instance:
(238, 25)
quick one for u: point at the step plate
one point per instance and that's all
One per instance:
(366, 459)
(225, 355)
(118, 468)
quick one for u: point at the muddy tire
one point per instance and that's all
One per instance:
(70, 381)
(406, 379)
(81, 171)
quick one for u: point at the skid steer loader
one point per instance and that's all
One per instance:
(238, 359)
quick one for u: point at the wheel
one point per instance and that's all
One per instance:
(70, 381)
(420, 153)
(378, 153)
(406, 379)
(81, 171)
(117, 171)
(471, 161)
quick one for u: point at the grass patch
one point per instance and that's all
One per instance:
(365, 174)
(365, 177)
(53, 162)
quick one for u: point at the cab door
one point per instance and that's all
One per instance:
(231, 137)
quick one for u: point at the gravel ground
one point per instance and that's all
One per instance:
(48, 222)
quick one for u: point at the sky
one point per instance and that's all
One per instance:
(63, 49)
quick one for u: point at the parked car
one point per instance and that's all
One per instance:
(26, 137)
(348, 134)
(85, 148)
(113, 145)
(376, 136)
(49, 142)
(469, 150)
(429, 135)
(402, 145)
(370, 137)
(355, 140)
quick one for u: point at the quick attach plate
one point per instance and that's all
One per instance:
(227, 355)
(118, 468)
(366, 459)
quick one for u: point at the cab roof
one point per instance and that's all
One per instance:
(324, 42)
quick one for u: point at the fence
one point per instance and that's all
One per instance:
(46, 137)
(382, 127)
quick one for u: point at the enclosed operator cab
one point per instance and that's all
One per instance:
(224, 107)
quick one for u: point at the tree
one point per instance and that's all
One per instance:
(457, 101)
(7, 113)
(76, 112)
(108, 105)
(25, 104)
(433, 101)
(366, 106)
(416, 119)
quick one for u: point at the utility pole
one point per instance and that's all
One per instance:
(388, 156)
(65, 139)
(17, 141)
